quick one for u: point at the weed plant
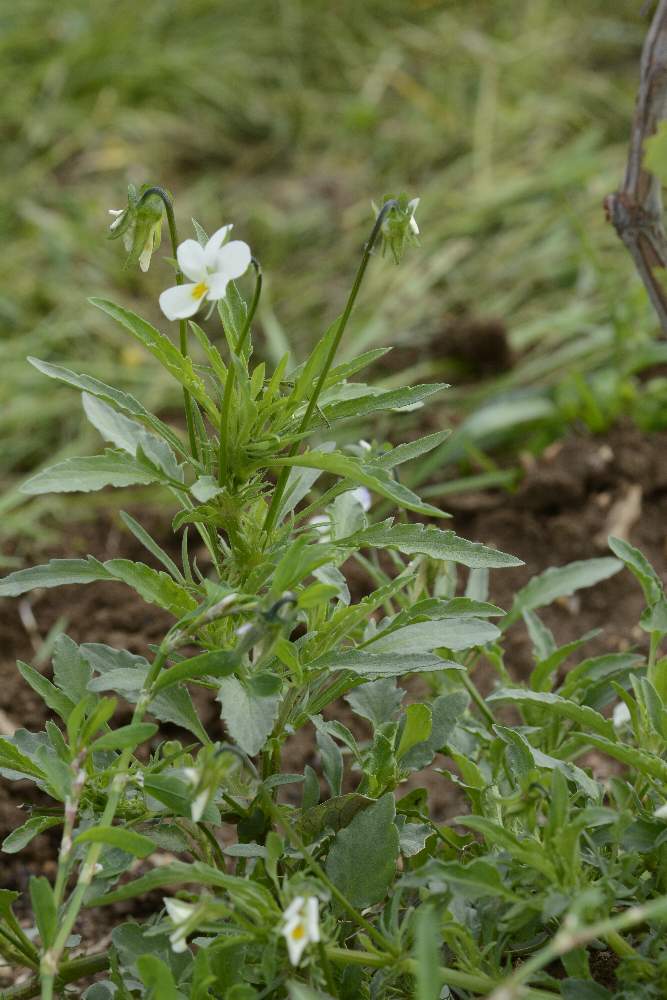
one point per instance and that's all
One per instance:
(335, 882)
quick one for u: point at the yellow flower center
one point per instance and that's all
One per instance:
(199, 290)
(298, 932)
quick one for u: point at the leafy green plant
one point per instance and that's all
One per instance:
(341, 883)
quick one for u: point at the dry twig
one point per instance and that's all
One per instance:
(636, 209)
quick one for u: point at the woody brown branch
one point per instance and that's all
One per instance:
(636, 209)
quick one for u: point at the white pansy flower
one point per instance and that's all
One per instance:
(209, 268)
(179, 914)
(301, 926)
(412, 207)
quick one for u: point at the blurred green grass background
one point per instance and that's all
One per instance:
(287, 117)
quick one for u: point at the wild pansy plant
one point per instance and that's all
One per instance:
(338, 883)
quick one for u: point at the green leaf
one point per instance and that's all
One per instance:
(332, 761)
(205, 488)
(179, 366)
(377, 701)
(116, 397)
(417, 728)
(416, 539)
(71, 673)
(553, 704)
(149, 543)
(249, 718)
(639, 566)
(560, 581)
(446, 711)
(421, 637)
(334, 814)
(362, 860)
(411, 449)
(115, 428)
(152, 585)
(428, 939)
(218, 663)
(475, 880)
(370, 402)
(299, 991)
(373, 477)
(15, 764)
(382, 664)
(120, 837)
(19, 838)
(56, 573)
(250, 896)
(126, 673)
(44, 908)
(83, 475)
(125, 737)
(158, 979)
(644, 762)
(48, 692)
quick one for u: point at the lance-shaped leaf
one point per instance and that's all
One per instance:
(373, 477)
(359, 661)
(560, 581)
(553, 704)
(93, 472)
(116, 397)
(161, 347)
(420, 637)
(416, 539)
(119, 837)
(371, 401)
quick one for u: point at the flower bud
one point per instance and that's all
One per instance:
(399, 227)
(139, 225)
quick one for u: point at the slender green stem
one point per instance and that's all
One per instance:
(223, 462)
(78, 968)
(572, 935)
(182, 325)
(272, 512)
(51, 958)
(450, 977)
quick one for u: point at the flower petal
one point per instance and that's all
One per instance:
(178, 910)
(313, 918)
(294, 909)
(214, 244)
(190, 258)
(217, 286)
(179, 302)
(233, 259)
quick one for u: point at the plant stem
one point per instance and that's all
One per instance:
(51, 958)
(78, 968)
(182, 324)
(574, 936)
(223, 463)
(450, 977)
(272, 513)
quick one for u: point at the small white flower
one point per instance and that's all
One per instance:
(209, 268)
(243, 629)
(179, 914)
(191, 774)
(365, 445)
(661, 812)
(621, 715)
(363, 497)
(413, 205)
(301, 926)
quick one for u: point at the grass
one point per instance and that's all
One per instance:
(289, 116)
